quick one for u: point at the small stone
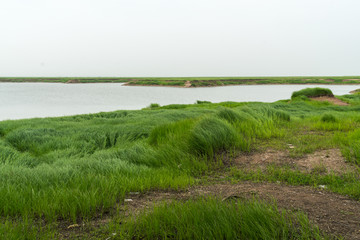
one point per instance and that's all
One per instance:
(128, 200)
(322, 186)
(291, 147)
(134, 193)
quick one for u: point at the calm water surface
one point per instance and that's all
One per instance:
(28, 100)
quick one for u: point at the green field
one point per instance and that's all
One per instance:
(196, 81)
(72, 177)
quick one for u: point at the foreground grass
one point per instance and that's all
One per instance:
(216, 219)
(77, 168)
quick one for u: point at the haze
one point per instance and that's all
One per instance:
(137, 38)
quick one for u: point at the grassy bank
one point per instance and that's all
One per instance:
(63, 171)
(197, 81)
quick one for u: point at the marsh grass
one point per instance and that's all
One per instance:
(328, 117)
(211, 135)
(212, 218)
(313, 92)
(77, 168)
(347, 183)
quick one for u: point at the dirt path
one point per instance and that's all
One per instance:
(333, 213)
(187, 84)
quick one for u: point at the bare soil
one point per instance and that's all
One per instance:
(332, 100)
(323, 161)
(187, 84)
(73, 81)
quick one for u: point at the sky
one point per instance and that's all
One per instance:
(177, 38)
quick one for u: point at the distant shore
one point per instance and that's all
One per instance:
(197, 81)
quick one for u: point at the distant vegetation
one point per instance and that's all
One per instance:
(313, 92)
(197, 81)
(57, 172)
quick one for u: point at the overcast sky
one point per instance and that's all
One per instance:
(179, 37)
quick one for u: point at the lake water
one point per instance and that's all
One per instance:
(28, 100)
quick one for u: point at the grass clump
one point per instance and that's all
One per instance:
(212, 218)
(328, 117)
(153, 105)
(313, 92)
(170, 132)
(202, 102)
(231, 116)
(211, 135)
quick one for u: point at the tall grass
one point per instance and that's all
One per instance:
(215, 219)
(211, 135)
(79, 167)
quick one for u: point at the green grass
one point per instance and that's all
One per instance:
(212, 218)
(80, 167)
(313, 92)
(347, 183)
(328, 117)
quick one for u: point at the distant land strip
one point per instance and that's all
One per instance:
(192, 81)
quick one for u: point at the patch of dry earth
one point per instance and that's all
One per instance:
(326, 161)
(332, 100)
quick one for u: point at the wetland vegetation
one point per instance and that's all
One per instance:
(194, 81)
(89, 176)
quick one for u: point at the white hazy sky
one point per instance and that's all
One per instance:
(179, 37)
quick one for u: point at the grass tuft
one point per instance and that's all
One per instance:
(328, 117)
(212, 135)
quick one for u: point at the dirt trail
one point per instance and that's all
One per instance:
(187, 84)
(333, 213)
